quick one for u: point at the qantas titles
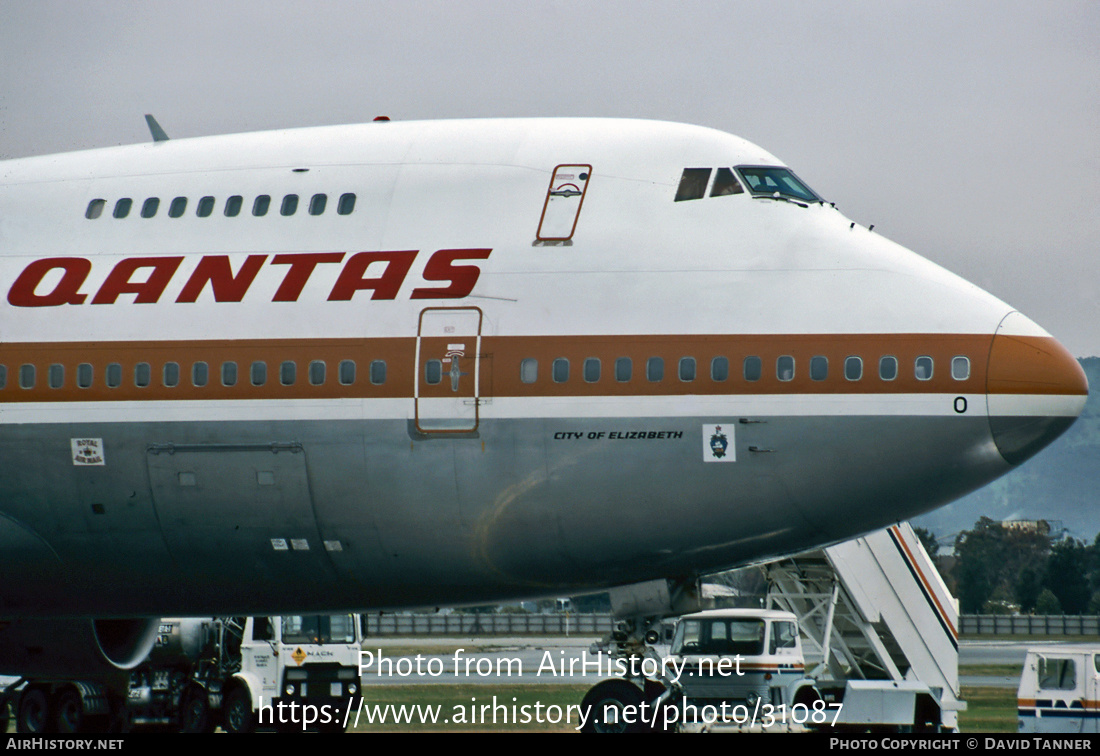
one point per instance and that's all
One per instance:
(55, 281)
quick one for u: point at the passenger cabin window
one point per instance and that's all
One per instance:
(725, 183)
(624, 369)
(529, 370)
(26, 376)
(317, 204)
(257, 373)
(143, 374)
(784, 368)
(260, 205)
(56, 376)
(819, 368)
(559, 370)
(853, 368)
(229, 373)
(719, 369)
(114, 375)
(150, 207)
(687, 369)
(346, 204)
(290, 205)
(888, 368)
(171, 374)
(3, 376)
(205, 207)
(752, 368)
(377, 372)
(178, 207)
(346, 372)
(288, 373)
(766, 181)
(122, 207)
(693, 184)
(960, 368)
(922, 368)
(591, 370)
(95, 209)
(317, 373)
(84, 374)
(200, 374)
(655, 369)
(233, 206)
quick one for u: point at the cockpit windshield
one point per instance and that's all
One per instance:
(766, 181)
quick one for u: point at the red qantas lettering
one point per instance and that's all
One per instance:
(462, 277)
(391, 268)
(216, 270)
(385, 286)
(301, 266)
(147, 291)
(65, 291)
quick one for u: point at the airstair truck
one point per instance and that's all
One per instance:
(202, 672)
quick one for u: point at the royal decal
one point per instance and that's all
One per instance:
(56, 281)
(718, 443)
(87, 452)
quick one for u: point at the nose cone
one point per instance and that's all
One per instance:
(1035, 388)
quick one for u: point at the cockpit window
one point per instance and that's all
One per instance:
(693, 184)
(725, 183)
(767, 182)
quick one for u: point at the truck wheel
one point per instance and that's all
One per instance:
(195, 711)
(604, 705)
(70, 712)
(238, 711)
(34, 712)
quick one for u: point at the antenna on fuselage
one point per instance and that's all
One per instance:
(155, 129)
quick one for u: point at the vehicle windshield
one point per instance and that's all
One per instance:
(721, 636)
(319, 628)
(764, 181)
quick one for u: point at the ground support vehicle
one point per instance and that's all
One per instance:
(201, 673)
(874, 647)
(1060, 689)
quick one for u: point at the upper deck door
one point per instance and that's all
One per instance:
(448, 369)
(563, 203)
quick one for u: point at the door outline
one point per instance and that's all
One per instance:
(558, 188)
(451, 421)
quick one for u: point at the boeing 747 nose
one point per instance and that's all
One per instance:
(1035, 388)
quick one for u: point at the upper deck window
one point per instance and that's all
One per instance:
(95, 209)
(346, 204)
(765, 181)
(693, 184)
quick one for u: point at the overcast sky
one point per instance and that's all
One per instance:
(967, 131)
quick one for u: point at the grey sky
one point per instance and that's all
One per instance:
(967, 131)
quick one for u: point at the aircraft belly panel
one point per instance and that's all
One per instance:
(231, 513)
(528, 506)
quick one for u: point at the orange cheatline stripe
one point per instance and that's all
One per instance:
(500, 360)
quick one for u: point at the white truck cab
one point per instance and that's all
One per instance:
(310, 660)
(739, 655)
(1060, 689)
